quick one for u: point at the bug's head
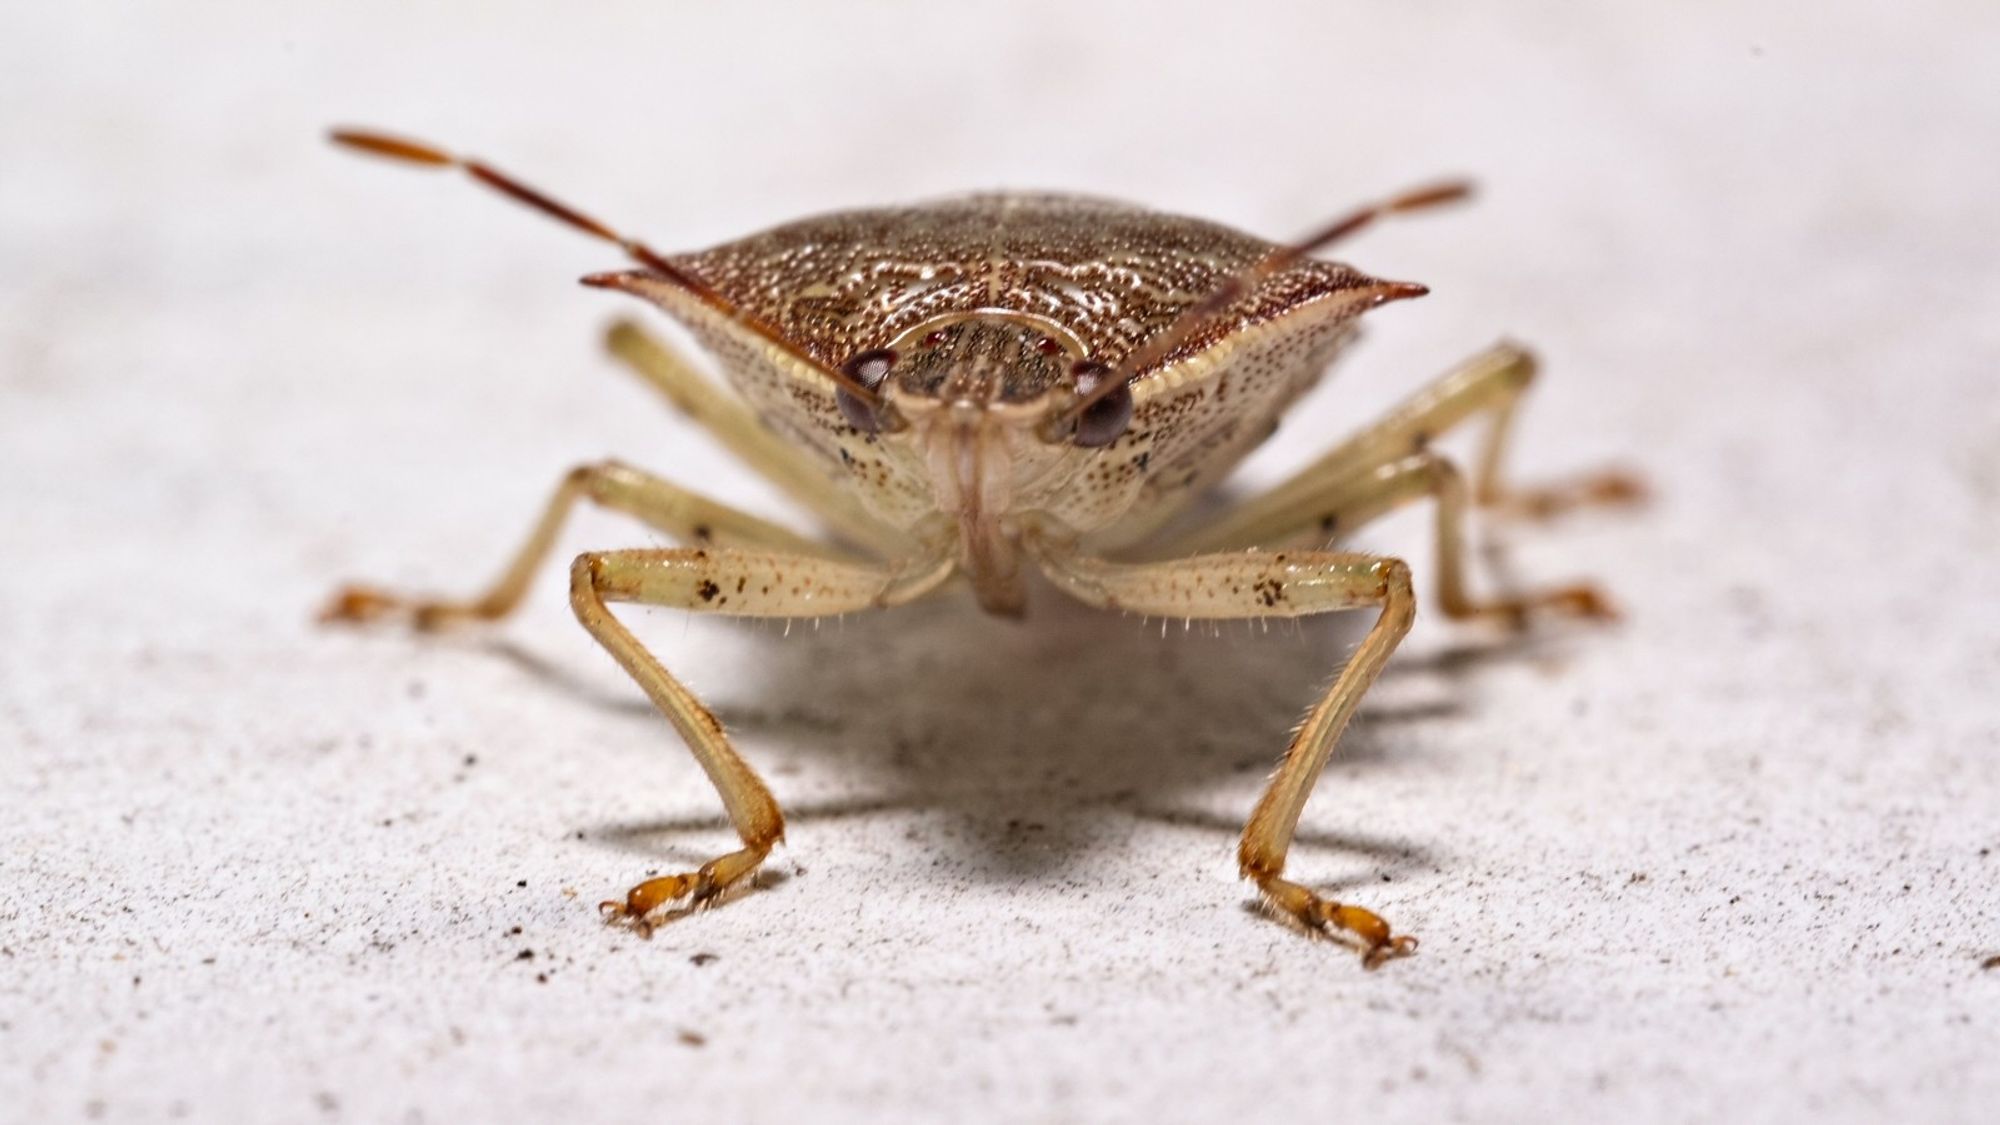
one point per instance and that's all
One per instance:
(1023, 371)
(1001, 367)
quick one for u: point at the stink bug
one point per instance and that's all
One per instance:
(983, 385)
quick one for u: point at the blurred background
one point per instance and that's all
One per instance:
(1734, 855)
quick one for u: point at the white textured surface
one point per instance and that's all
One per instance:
(1737, 857)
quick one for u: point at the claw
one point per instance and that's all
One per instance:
(1362, 927)
(645, 905)
(622, 915)
(1402, 946)
(365, 605)
(1610, 488)
(1357, 927)
(648, 897)
(1518, 614)
(1583, 601)
(358, 605)
(1619, 487)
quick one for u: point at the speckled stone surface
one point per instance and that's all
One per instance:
(1735, 858)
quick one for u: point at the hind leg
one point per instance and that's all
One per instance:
(1490, 383)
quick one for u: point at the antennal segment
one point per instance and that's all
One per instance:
(1245, 281)
(419, 153)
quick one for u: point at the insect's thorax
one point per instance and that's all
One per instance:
(988, 303)
(971, 470)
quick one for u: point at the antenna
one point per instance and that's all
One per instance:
(1276, 261)
(419, 153)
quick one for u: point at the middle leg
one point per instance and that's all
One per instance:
(1335, 506)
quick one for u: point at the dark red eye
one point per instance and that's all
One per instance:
(869, 369)
(1049, 347)
(933, 339)
(1105, 420)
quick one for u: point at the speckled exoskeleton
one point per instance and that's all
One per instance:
(985, 385)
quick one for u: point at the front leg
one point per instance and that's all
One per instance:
(736, 583)
(1253, 584)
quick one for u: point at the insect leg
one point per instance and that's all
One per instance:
(1490, 382)
(742, 583)
(657, 503)
(1279, 584)
(1339, 505)
(736, 426)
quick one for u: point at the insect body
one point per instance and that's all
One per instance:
(1007, 382)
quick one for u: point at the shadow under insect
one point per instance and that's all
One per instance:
(1031, 738)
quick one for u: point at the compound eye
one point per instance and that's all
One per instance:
(870, 369)
(1105, 420)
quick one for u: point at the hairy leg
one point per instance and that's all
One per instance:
(1337, 506)
(740, 583)
(1254, 584)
